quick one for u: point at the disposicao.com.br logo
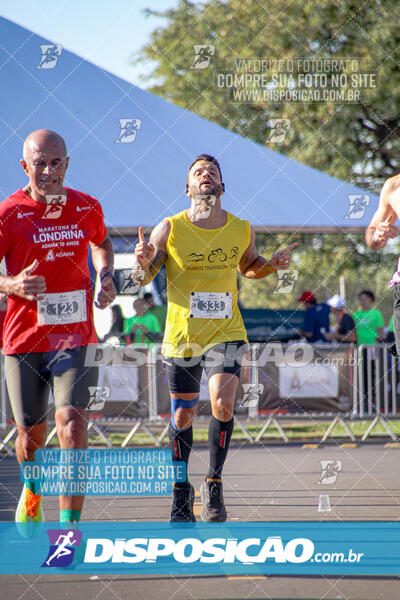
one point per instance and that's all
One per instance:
(189, 550)
(354, 548)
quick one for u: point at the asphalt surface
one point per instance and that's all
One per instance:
(261, 483)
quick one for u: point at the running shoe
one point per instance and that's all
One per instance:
(213, 502)
(29, 515)
(182, 504)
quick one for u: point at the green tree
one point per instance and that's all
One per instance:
(356, 142)
(320, 260)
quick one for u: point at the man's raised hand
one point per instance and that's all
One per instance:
(281, 260)
(384, 232)
(144, 251)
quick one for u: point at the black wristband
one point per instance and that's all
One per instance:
(107, 274)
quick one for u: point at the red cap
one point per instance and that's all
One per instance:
(306, 297)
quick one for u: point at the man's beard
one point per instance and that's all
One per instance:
(213, 189)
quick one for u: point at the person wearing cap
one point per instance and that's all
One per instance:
(316, 319)
(345, 329)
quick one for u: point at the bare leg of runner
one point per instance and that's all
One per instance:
(72, 432)
(222, 387)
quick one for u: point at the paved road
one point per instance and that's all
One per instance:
(263, 483)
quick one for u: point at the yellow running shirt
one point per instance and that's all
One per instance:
(202, 285)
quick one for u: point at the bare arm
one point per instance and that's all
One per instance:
(103, 256)
(150, 257)
(381, 227)
(255, 266)
(103, 260)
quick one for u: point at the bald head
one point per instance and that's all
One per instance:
(43, 139)
(45, 163)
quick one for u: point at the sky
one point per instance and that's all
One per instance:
(106, 32)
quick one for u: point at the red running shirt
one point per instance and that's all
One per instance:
(58, 236)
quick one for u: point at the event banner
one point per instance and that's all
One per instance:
(254, 548)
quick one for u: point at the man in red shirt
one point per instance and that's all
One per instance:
(45, 232)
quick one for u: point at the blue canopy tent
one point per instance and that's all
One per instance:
(140, 177)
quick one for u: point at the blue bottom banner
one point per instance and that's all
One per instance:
(254, 548)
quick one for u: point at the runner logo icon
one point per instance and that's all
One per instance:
(286, 281)
(55, 204)
(203, 54)
(357, 205)
(279, 129)
(329, 471)
(62, 547)
(128, 129)
(98, 397)
(50, 55)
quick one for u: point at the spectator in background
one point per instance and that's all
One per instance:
(369, 324)
(345, 329)
(140, 328)
(117, 324)
(158, 310)
(316, 319)
(369, 320)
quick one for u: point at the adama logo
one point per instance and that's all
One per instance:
(50, 256)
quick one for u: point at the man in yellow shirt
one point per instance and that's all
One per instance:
(202, 248)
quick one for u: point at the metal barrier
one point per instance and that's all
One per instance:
(378, 381)
(303, 381)
(279, 383)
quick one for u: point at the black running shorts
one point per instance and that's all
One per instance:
(184, 375)
(31, 376)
